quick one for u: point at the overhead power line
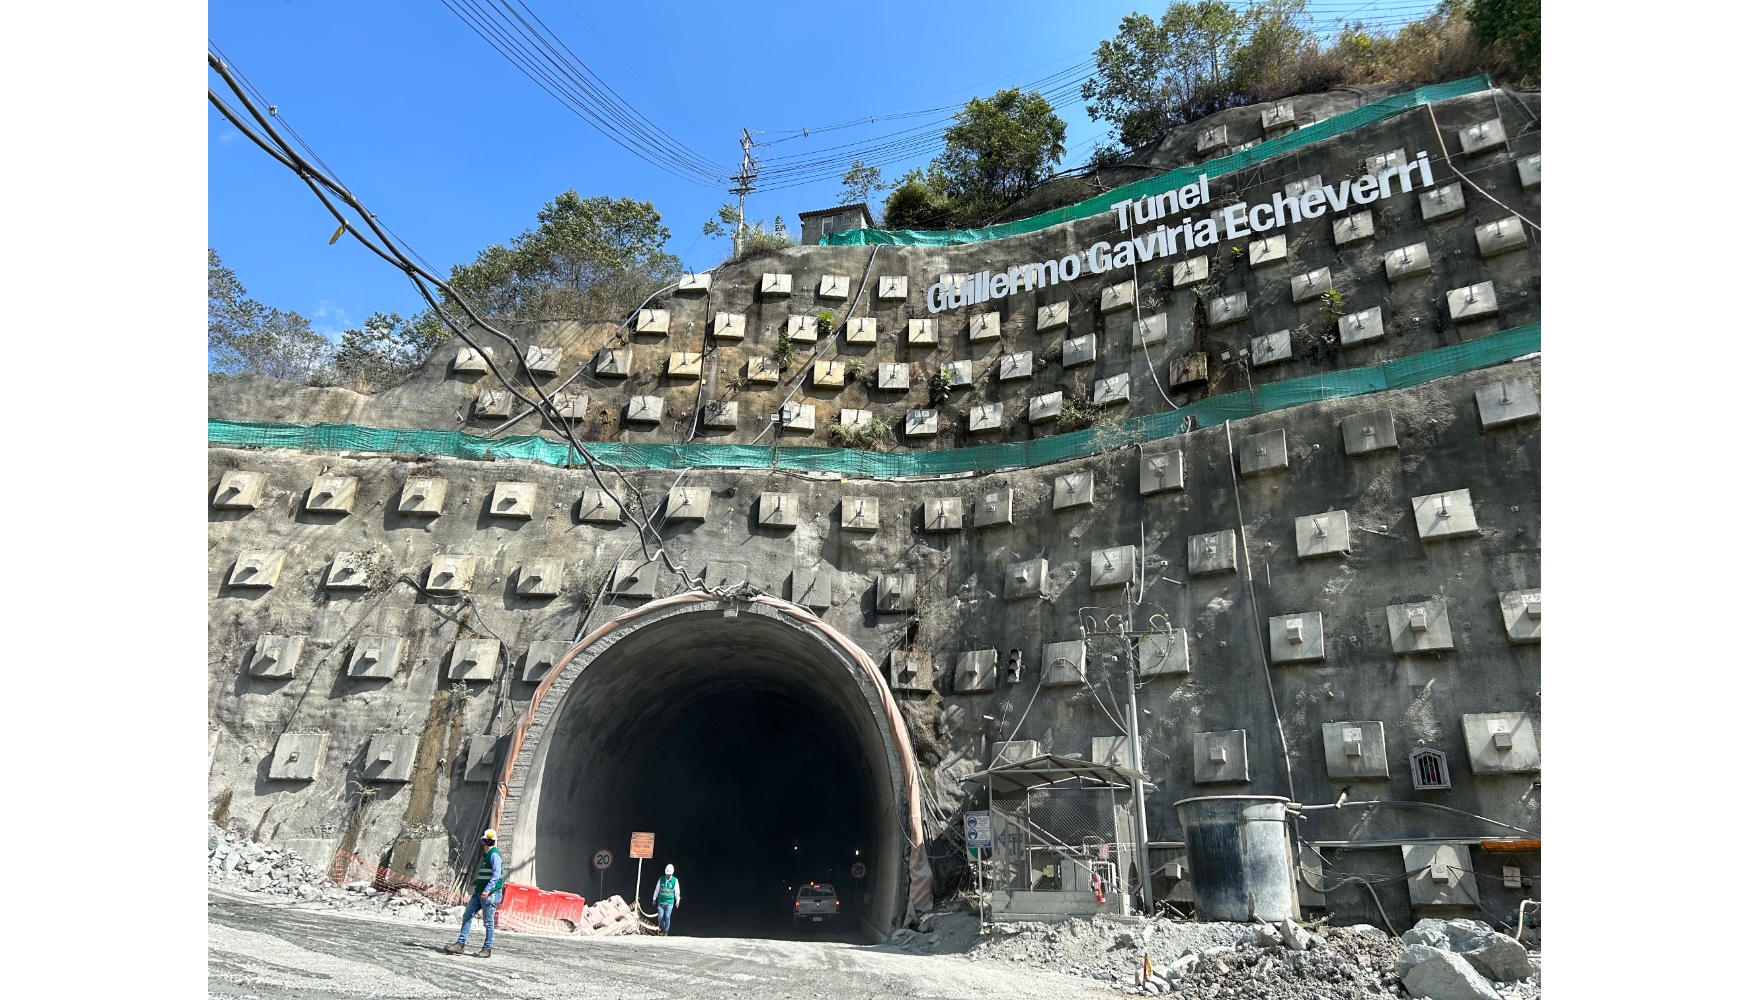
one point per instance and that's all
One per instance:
(364, 227)
(522, 38)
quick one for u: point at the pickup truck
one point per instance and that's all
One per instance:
(816, 903)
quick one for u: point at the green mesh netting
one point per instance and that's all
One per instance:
(1367, 114)
(1399, 373)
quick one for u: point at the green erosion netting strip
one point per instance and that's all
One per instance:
(1367, 114)
(1400, 373)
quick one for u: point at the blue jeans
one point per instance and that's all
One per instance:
(663, 912)
(488, 906)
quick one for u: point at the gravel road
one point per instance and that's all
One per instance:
(273, 950)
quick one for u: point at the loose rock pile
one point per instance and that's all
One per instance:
(1219, 961)
(236, 863)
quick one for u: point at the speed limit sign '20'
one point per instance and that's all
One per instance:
(604, 859)
(859, 870)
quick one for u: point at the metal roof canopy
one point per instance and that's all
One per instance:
(1048, 768)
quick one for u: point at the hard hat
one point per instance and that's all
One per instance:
(489, 835)
(669, 870)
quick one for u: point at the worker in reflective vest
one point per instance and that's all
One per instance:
(667, 896)
(488, 892)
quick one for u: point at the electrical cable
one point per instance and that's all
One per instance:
(1252, 599)
(317, 181)
(1420, 805)
(550, 65)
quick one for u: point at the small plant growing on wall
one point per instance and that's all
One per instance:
(1333, 302)
(785, 355)
(853, 370)
(1078, 410)
(867, 436)
(939, 385)
(824, 322)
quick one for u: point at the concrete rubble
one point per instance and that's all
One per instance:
(1286, 961)
(238, 864)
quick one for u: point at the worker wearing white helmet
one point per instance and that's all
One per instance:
(488, 891)
(667, 896)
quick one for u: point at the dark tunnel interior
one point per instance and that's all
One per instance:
(755, 759)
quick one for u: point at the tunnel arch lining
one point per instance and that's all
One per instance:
(516, 813)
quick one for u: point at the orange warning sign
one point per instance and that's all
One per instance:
(643, 845)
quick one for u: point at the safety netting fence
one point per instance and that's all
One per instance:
(1398, 373)
(1220, 166)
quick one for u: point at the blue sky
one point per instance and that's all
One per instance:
(454, 148)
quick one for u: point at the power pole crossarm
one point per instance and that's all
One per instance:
(744, 186)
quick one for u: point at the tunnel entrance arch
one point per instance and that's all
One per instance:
(760, 745)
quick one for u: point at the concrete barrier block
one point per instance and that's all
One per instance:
(513, 499)
(1370, 431)
(257, 568)
(802, 329)
(1408, 262)
(540, 578)
(1272, 348)
(469, 361)
(451, 574)
(351, 570)
(375, 657)
(1215, 552)
(239, 490)
(644, 410)
(860, 513)
(1419, 627)
(297, 756)
(860, 330)
(332, 495)
(474, 659)
(686, 365)
(1361, 327)
(1119, 296)
(275, 657)
(985, 418)
(1113, 390)
(1353, 228)
(1482, 137)
(1311, 285)
(1044, 407)
(1324, 534)
(1297, 637)
(1442, 202)
(613, 362)
(985, 326)
(543, 360)
(1025, 579)
(1219, 757)
(542, 656)
(729, 326)
(993, 508)
(943, 514)
(1073, 490)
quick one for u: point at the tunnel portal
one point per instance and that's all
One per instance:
(755, 748)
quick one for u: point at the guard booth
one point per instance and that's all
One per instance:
(1063, 838)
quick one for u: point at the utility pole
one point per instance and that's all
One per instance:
(750, 172)
(1135, 733)
(1125, 629)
